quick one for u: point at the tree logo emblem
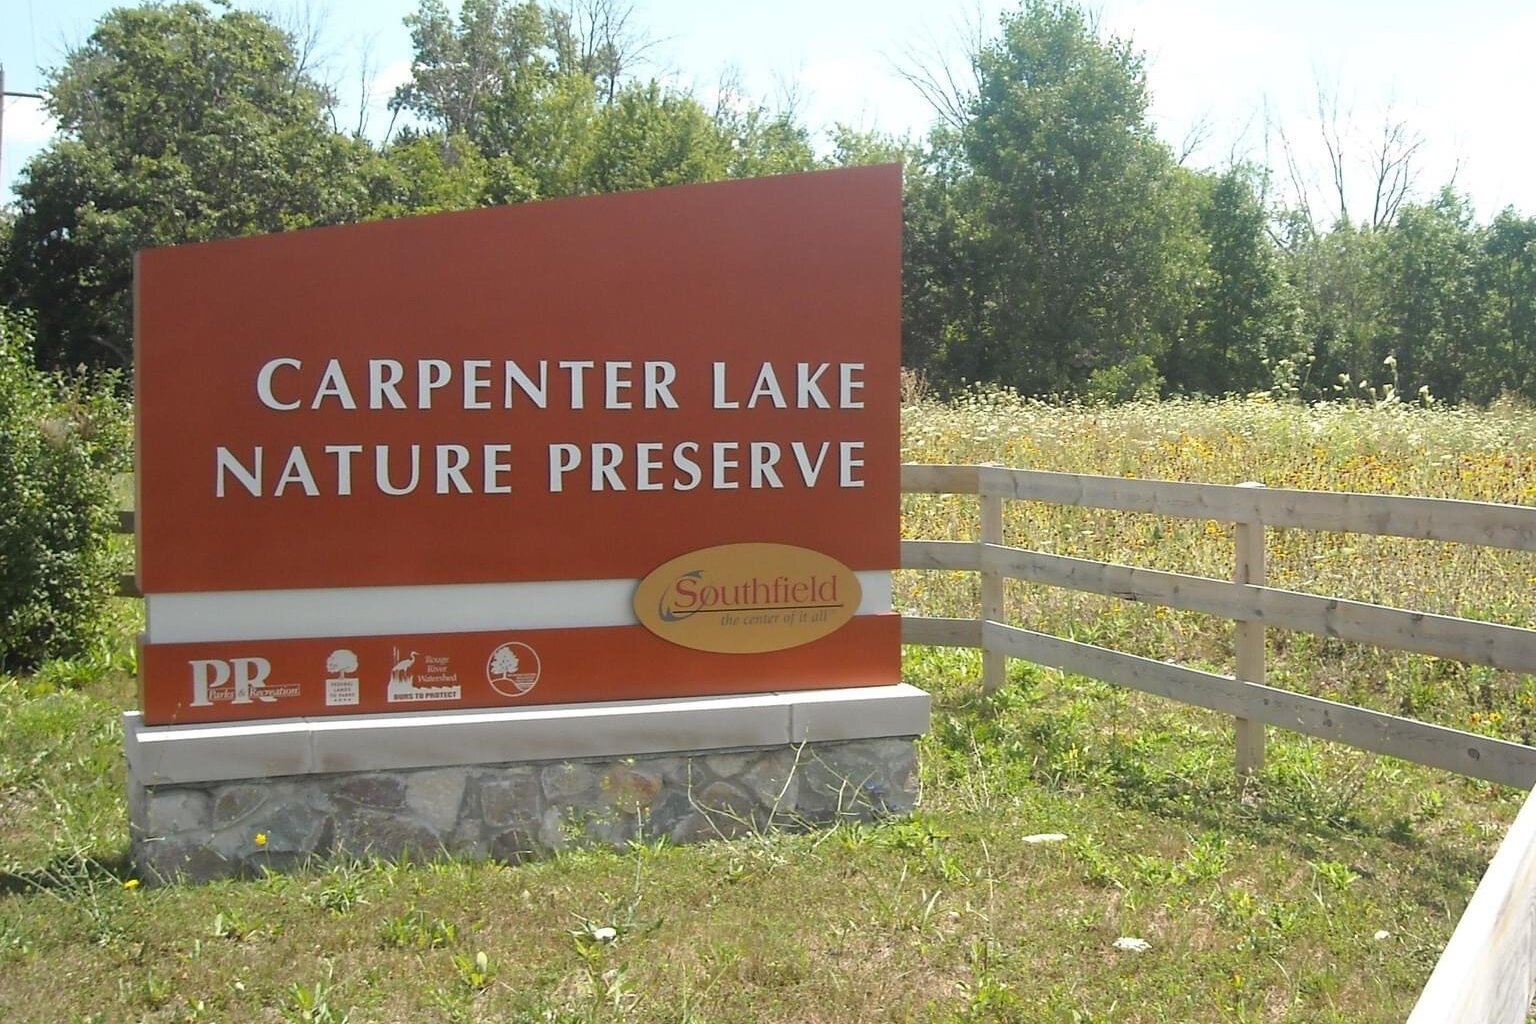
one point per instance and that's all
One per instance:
(512, 669)
(342, 665)
(341, 685)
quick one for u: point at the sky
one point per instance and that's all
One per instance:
(1230, 75)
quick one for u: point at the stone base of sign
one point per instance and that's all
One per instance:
(214, 801)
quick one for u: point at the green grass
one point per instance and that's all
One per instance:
(1260, 902)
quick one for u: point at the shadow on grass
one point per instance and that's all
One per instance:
(68, 873)
(1024, 730)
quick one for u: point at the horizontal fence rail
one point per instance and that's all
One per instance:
(919, 478)
(1384, 515)
(1482, 757)
(1444, 636)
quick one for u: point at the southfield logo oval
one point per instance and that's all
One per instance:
(747, 598)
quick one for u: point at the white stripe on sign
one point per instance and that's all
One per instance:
(379, 611)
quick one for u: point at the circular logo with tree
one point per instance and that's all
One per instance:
(512, 669)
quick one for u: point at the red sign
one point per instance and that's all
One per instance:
(415, 428)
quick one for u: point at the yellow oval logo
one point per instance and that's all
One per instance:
(747, 598)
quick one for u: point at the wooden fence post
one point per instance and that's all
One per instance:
(1249, 642)
(994, 663)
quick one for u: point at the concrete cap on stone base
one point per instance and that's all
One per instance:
(179, 754)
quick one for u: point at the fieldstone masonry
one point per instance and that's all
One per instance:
(513, 811)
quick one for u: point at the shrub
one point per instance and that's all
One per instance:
(62, 441)
(1135, 380)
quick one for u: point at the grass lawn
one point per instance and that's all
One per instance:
(1321, 891)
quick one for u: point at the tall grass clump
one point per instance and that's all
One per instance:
(62, 441)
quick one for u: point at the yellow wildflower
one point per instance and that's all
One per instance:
(261, 839)
(131, 884)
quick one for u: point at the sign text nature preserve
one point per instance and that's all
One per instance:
(630, 446)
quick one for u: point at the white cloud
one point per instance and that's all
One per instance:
(863, 91)
(27, 121)
(391, 78)
(27, 129)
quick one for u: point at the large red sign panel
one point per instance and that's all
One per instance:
(579, 390)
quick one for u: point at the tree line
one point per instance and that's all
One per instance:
(1053, 243)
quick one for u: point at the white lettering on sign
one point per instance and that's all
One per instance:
(383, 376)
(397, 470)
(474, 383)
(611, 469)
(445, 469)
(494, 468)
(264, 384)
(284, 384)
(287, 384)
(333, 384)
(432, 375)
(343, 453)
(766, 391)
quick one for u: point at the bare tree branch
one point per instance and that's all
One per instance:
(789, 95)
(728, 93)
(1333, 141)
(608, 44)
(1299, 188)
(305, 22)
(1194, 138)
(367, 75)
(1392, 168)
(949, 91)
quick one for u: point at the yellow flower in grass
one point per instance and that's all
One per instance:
(261, 839)
(131, 884)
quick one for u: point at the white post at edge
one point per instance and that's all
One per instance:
(1486, 973)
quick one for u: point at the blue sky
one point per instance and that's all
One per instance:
(1459, 74)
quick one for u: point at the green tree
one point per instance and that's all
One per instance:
(650, 136)
(61, 442)
(1243, 316)
(947, 273)
(481, 75)
(1338, 281)
(1079, 242)
(176, 124)
(1431, 301)
(761, 141)
(853, 147)
(428, 173)
(1507, 285)
(544, 94)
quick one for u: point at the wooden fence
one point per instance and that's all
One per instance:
(1486, 973)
